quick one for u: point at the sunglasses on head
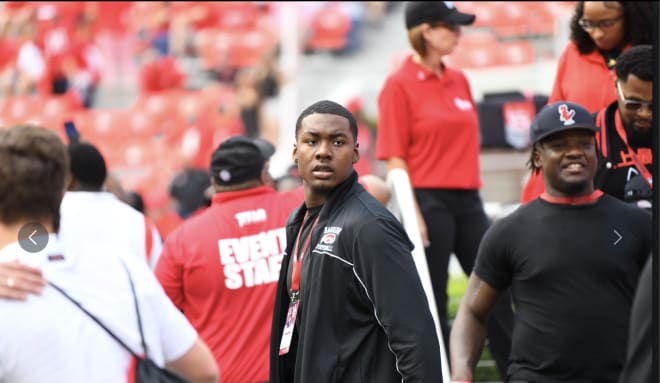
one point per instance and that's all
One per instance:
(632, 105)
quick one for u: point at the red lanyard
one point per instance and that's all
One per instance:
(633, 156)
(298, 256)
(585, 199)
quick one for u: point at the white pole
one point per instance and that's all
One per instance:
(399, 183)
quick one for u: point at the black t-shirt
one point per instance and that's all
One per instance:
(572, 272)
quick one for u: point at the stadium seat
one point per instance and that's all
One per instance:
(478, 37)
(510, 19)
(236, 15)
(516, 53)
(247, 47)
(472, 57)
(20, 108)
(102, 127)
(212, 46)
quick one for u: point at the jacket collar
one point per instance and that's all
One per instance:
(340, 193)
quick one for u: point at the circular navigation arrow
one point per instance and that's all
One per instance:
(33, 237)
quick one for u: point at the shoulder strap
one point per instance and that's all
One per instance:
(95, 319)
(137, 309)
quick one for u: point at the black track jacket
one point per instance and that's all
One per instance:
(363, 315)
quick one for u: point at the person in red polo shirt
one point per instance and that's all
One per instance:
(221, 266)
(428, 126)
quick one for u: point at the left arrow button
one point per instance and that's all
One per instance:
(33, 237)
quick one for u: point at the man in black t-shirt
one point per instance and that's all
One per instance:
(571, 259)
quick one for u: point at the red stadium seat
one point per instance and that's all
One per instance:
(480, 37)
(517, 53)
(21, 108)
(248, 46)
(212, 46)
(510, 19)
(472, 57)
(233, 15)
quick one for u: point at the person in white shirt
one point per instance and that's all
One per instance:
(94, 218)
(46, 337)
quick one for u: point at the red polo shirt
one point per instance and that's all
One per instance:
(221, 269)
(432, 124)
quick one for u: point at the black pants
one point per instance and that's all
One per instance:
(456, 222)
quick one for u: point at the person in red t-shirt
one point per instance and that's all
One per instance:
(221, 266)
(428, 126)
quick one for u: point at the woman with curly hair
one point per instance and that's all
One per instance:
(600, 32)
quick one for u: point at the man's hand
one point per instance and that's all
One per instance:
(18, 280)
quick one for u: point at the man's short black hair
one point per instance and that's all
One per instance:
(638, 61)
(328, 107)
(87, 166)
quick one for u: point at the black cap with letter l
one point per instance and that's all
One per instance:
(560, 116)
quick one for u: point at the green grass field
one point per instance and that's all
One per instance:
(486, 370)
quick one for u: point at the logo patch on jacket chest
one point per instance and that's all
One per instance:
(329, 238)
(330, 234)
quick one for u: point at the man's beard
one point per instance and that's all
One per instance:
(639, 138)
(322, 189)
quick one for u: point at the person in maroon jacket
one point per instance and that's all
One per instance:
(221, 267)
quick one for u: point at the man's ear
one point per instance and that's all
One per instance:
(536, 157)
(265, 178)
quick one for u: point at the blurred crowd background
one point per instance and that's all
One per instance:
(157, 85)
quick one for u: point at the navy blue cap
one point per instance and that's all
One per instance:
(419, 12)
(561, 116)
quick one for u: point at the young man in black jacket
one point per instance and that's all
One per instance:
(350, 306)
